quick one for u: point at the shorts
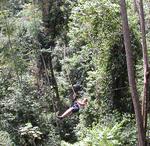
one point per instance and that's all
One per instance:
(75, 107)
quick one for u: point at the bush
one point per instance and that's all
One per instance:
(5, 139)
(112, 133)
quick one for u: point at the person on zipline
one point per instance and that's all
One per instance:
(76, 103)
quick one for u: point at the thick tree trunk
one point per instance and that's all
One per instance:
(48, 42)
(145, 64)
(131, 75)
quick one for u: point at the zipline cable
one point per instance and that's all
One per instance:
(68, 72)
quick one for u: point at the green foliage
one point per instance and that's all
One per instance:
(26, 105)
(30, 133)
(119, 133)
(102, 137)
(48, 126)
(89, 33)
(94, 22)
(5, 139)
(67, 127)
(92, 25)
(97, 52)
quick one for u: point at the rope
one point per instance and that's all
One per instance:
(115, 89)
(68, 73)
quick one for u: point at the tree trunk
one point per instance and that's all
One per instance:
(145, 64)
(131, 75)
(47, 41)
(135, 6)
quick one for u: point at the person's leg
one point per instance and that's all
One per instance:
(66, 113)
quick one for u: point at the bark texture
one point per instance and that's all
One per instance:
(131, 75)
